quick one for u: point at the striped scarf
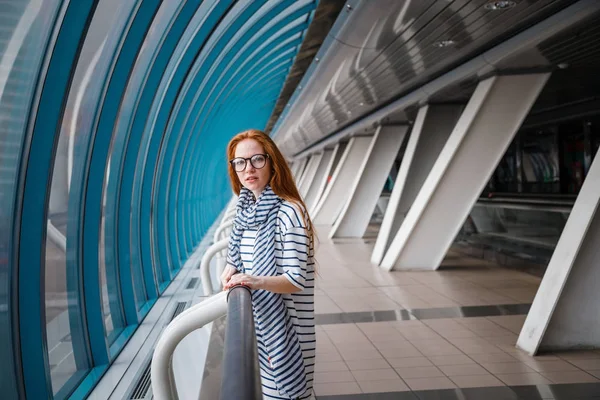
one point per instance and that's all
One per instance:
(271, 318)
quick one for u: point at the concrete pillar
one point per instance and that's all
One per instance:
(299, 169)
(429, 134)
(309, 175)
(337, 192)
(471, 153)
(319, 182)
(564, 313)
(294, 165)
(368, 183)
(302, 175)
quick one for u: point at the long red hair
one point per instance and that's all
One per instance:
(281, 181)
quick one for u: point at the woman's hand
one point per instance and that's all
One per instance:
(253, 282)
(226, 275)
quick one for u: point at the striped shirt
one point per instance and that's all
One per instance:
(295, 260)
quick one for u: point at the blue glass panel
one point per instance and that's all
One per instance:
(208, 16)
(105, 19)
(250, 69)
(58, 349)
(220, 39)
(23, 39)
(269, 28)
(166, 32)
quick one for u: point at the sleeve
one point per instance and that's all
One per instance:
(233, 250)
(295, 255)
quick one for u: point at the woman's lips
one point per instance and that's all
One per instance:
(251, 179)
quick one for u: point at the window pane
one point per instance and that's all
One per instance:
(25, 29)
(92, 50)
(65, 337)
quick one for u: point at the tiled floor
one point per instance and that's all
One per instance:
(420, 350)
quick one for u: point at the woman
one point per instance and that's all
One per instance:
(271, 251)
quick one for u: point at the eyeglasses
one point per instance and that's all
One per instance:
(258, 161)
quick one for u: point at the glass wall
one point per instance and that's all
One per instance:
(26, 29)
(552, 159)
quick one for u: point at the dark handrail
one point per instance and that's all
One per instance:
(241, 374)
(529, 201)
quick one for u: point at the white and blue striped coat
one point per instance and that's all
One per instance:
(294, 256)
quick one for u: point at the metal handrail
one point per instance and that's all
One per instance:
(534, 205)
(222, 229)
(205, 264)
(240, 356)
(161, 370)
(194, 318)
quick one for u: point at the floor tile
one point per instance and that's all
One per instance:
(401, 353)
(507, 368)
(375, 374)
(351, 355)
(323, 389)
(492, 358)
(328, 357)
(587, 364)
(570, 377)
(334, 376)
(466, 369)
(361, 345)
(578, 354)
(523, 379)
(357, 365)
(549, 366)
(383, 386)
(429, 383)
(390, 344)
(410, 362)
(456, 359)
(470, 381)
(419, 372)
(595, 373)
(330, 366)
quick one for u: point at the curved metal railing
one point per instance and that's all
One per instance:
(205, 265)
(196, 317)
(161, 372)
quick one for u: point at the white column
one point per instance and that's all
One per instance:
(309, 175)
(429, 134)
(302, 173)
(564, 313)
(368, 184)
(337, 192)
(319, 182)
(471, 153)
(295, 167)
(298, 169)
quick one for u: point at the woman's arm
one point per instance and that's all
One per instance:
(275, 284)
(295, 246)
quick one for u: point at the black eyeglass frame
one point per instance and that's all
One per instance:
(249, 159)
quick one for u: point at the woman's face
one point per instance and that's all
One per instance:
(252, 178)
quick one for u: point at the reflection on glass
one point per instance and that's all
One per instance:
(67, 352)
(25, 29)
(539, 228)
(91, 54)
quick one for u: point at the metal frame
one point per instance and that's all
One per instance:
(53, 88)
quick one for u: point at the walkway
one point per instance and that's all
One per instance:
(414, 335)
